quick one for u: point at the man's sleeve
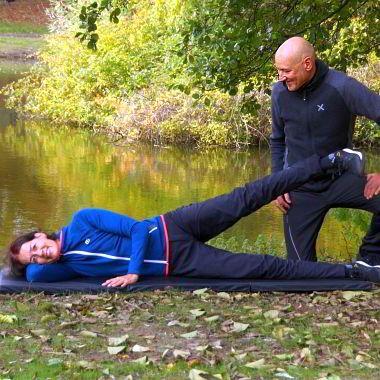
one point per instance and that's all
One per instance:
(122, 225)
(277, 137)
(49, 272)
(361, 100)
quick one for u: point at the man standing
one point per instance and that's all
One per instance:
(313, 111)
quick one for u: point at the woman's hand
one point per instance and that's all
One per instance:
(121, 281)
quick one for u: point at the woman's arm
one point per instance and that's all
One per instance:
(49, 272)
(122, 225)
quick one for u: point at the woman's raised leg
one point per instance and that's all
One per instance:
(207, 219)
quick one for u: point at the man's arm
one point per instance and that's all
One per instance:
(278, 147)
(361, 100)
(372, 186)
(277, 137)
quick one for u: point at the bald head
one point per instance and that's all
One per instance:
(295, 49)
(295, 62)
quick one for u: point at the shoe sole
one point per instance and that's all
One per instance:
(367, 265)
(360, 155)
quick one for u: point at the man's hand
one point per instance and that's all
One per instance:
(121, 281)
(283, 202)
(372, 186)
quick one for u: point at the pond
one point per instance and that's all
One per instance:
(47, 173)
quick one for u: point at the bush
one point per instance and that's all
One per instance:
(170, 116)
(366, 131)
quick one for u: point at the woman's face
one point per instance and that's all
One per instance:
(40, 250)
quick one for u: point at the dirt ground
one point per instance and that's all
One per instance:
(28, 11)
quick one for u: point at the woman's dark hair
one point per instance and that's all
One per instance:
(15, 267)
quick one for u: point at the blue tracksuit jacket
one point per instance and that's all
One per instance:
(103, 243)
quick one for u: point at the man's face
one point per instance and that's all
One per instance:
(40, 250)
(293, 74)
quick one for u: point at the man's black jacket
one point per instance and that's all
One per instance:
(319, 118)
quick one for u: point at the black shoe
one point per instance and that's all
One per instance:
(363, 271)
(348, 160)
(372, 259)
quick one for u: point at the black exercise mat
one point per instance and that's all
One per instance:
(93, 285)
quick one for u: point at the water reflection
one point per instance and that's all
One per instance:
(48, 173)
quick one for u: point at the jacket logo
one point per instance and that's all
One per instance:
(87, 241)
(320, 107)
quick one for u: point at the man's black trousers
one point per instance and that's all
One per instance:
(309, 208)
(190, 227)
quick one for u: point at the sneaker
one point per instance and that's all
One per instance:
(363, 271)
(372, 259)
(348, 160)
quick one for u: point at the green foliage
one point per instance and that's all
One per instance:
(229, 43)
(354, 226)
(262, 245)
(73, 84)
(366, 131)
(89, 16)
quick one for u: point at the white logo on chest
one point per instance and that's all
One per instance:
(320, 107)
(87, 241)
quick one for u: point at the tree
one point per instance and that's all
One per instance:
(227, 44)
(230, 42)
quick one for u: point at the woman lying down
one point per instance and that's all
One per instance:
(101, 243)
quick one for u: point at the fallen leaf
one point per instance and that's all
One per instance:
(239, 327)
(197, 312)
(38, 332)
(86, 365)
(138, 348)
(200, 291)
(223, 295)
(305, 353)
(217, 344)
(348, 295)
(203, 348)
(190, 335)
(213, 318)
(181, 354)
(271, 314)
(284, 356)
(197, 374)
(54, 361)
(283, 375)
(22, 307)
(114, 350)
(117, 341)
(327, 324)
(88, 333)
(241, 356)
(256, 364)
(143, 360)
(178, 323)
(8, 318)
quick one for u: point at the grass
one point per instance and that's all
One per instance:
(9, 43)
(19, 27)
(320, 335)
(13, 67)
